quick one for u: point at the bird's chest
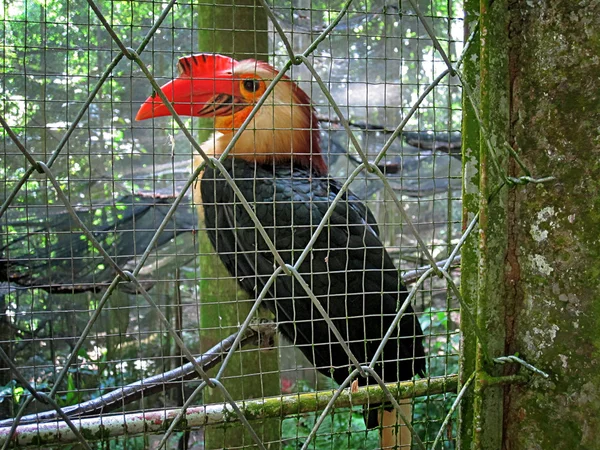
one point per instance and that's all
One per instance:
(282, 210)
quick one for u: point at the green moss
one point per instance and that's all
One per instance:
(39, 442)
(541, 67)
(556, 111)
(470, 198)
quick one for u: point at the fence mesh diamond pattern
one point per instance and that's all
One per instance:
(100, 282)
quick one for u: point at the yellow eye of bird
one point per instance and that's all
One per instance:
(251, 84)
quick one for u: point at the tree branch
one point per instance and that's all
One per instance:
(260, 332)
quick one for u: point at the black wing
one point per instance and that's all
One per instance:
(348, 269)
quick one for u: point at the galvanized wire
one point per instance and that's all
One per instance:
(454, 407)
(199, 416)
(131, 277)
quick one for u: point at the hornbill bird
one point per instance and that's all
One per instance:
(278, 167)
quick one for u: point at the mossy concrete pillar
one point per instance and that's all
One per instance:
(539, 92)
(553, 267)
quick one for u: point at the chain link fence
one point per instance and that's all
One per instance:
(99, 269)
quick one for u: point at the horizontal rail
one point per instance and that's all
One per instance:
(124, 395)
(130, 424)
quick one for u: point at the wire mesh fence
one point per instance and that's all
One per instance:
(108, 277)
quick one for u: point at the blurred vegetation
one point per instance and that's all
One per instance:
(376, 63)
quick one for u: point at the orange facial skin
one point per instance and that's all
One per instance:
(285, 127)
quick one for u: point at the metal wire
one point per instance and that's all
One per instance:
(132, 276)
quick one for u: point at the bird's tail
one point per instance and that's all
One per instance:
(395, 435)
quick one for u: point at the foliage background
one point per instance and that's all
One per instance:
(376, 63)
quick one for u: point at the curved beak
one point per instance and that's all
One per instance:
(205, 88)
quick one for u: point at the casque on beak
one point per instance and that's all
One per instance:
(205, 87)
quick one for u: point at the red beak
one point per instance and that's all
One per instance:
(205, 88)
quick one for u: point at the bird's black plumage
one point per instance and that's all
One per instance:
(349, 270)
